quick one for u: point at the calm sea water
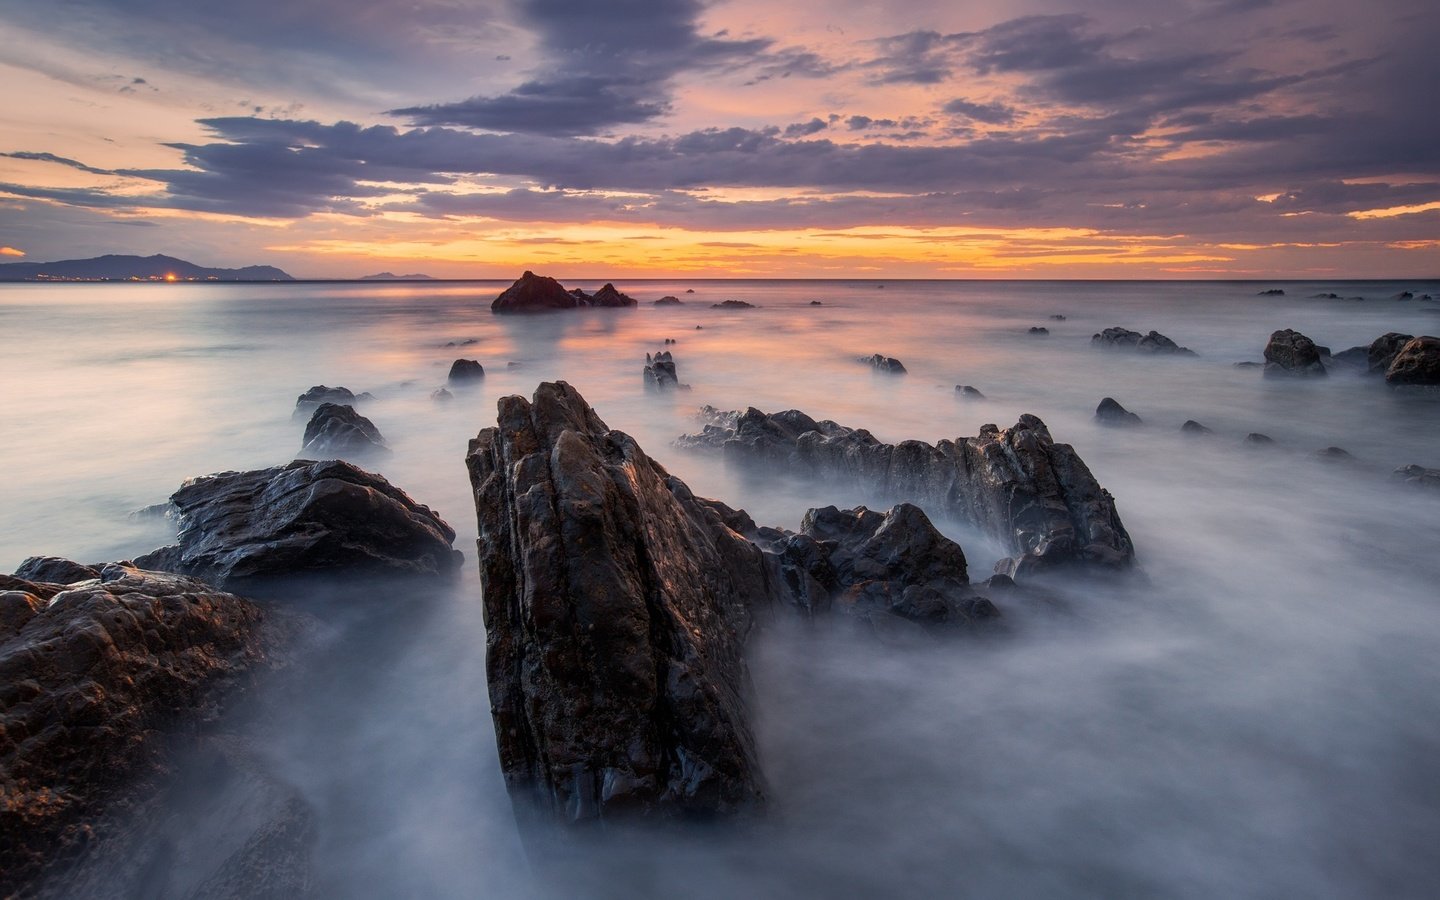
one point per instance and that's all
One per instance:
(1259, 716)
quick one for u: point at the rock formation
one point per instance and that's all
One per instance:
(669, 300)
(1153, 343)
(1039, 331)
(95, 678)
(1292, 353)
(732, 304)
(336, 432)
(1417, 362)
(440, 395)
(533, 293)
(1110, 412)
(1194, 428)
(1035, 496)
(1418, 476)
(238, 528)
(305, 404)
(609, 297)
(1383, 349)
(465, 371)
(969, 392)
(882, 363)
(660, 373)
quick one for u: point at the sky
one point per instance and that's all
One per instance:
(683, 138)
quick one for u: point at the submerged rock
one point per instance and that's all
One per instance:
(816, 303)
(534, 293)
(1417, 362)
(1194, 428)
(336, 432)
(1292, 353)
(300, 519)
(1258, 440)
(1058, 317)
(1418, 476)
(1110, 412)
(464, 371)
(306, 403)
(669, 301)
(1033, 495)
(1354, 358)
(1153, 343)
(1335, 455)
(1039, 331)
(882, 363)
(1382, 351)
(617, 605)
(441, 395)
(731, 304)
(969, 392)
(96, 679)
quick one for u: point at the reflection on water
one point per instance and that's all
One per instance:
(1259, 716)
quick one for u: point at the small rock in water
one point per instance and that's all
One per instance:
(660, 373)
(464, 371)
(305, 404)
(669, 301)
(1419, 476)
(1110, 412)
(732, 304)
(1154, 343)
(1039, 330)
(1325, 297)
(441, 395)
(689, 290)
(1290, 353)
(882, 363)
(338, 432)
(1334, 455)
(816, 303)
(1194, 428)
(970, 392)
(1248, 365)
(671, 341)
(1403, 295)
(1272, 292)
(1058, 318)
(1256, 439)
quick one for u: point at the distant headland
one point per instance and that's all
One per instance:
(113, 267)
(391, 276)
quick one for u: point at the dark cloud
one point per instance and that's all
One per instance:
(604, 65)
(916, 57)
(59, 160)
(989, 113)
(805, 129)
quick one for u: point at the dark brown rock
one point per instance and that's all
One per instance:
(661, 374)
(669, 301)
(1292, 353)
(1154, 343)
(1417, 362)
(534, 293)
(1039, 331)
(55, 570)
(1194, 428)
(1383, 349)
(336, 432)
(299, 519)
(609, 297)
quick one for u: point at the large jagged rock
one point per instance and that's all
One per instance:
(96, 678)
(306, 403)
(617, 604)
(55, 570)
(661, 374)
(534, 293)
(1036, 496)
(336, 432)
(303, 518)
(1110, 412)
(1382, 350)
(1292, 353)
(608, 297)
(1417, 362)
(1153, 343)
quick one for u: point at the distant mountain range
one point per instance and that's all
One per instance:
(133, 268)
(391, 276)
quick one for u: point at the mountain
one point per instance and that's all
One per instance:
(134, 268)
(391, 276)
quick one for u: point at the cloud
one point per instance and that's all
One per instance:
(59, 160)
(11, 251)
(916, 57)
(805, 129)
(989, 113)
(604, 65)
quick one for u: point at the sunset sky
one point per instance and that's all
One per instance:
(912, 138)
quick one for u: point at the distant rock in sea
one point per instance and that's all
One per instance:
(538, 293)
(1110, 412)
(669, 301)
(1272, 292)
(1039, 331)
(1419, 476)
(732, 304)
(465, 371)
(390, 276)
(1154, 343)
(969, 392)
(882, 363)
(306, 403)
(1194, 428)
(156, 268)
(1290, 353)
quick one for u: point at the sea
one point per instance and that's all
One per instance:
(1255, 714)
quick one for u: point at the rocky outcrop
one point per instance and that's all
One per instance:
(440, 395)
(1417, 362)
(55, 570)
(1354, 358)
(1035, 496)
(669, 300)
(1110, 412)
(1381, 352)
(609, 297)
(1039, 331)
(884, 364)
(732, 304)
(96, 678)
(1272, 292)
(244, 528)
(660, 373)
(1418, 476)
(969, 392)
(336, 432)
(1153, 343)
(1194, 429)
(465, 371)
(534, 293)
(1290, 353)
(617, 605)
(306, 403)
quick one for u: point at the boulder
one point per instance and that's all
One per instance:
(1382, 350)
(1335, 455)
(1036, 497)
(1110, 412)
(969, 392)
(1153, 343)
(1039, 330)
(816, 303)
(1272, 292)
(731, 304)
(441, 395)
(617, 606)
(336, 432)
(1357, 358)
(608, 297)
(1290, 353)
(669, 301)
(55, 570)
(244, 528)
(1257, 440)
(1194, 428)
(882, 363)
(465, 371)
(1418, 476)
(1418, 362)
(305, 404)
(96, 681)
(534, 293)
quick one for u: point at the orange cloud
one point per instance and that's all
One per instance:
(11, 251)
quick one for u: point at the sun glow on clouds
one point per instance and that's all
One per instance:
(11, 251)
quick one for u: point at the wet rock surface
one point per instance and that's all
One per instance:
(239, 528)
(1035, 496)
(1417, 363)
(96, 678)
(336, 432)
(617, 604)
(1290, 353)
(55, 570)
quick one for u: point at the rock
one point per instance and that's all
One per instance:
(610, 298)
(244, 528)
(731, 304)
(1036, 497)
(1272, 292)
(1248, 365)
(1353, 358)
(1290, 353)
(816, 303)
(689, 290)
(669, 301)
(1403, 295)
(441, 395)
(1194, 428)
(55, 570)
(1418, 362)
(660, 373)
(1383, 349)
(669, 341)
(1058, 318)
(1039, 330)
(1154, 343)
(1255, 439)
(95, 685)
(464, 371)
(617, 605)
(969, 392)
(514, 364)
(534, 293)
(1334, 455)
(1325, 297)
(1110, 412)
(882, 363)
(336, 432)
(1419, 476)
(305, 404)
(581, 298)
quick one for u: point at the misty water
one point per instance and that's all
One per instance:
(1257, 714)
